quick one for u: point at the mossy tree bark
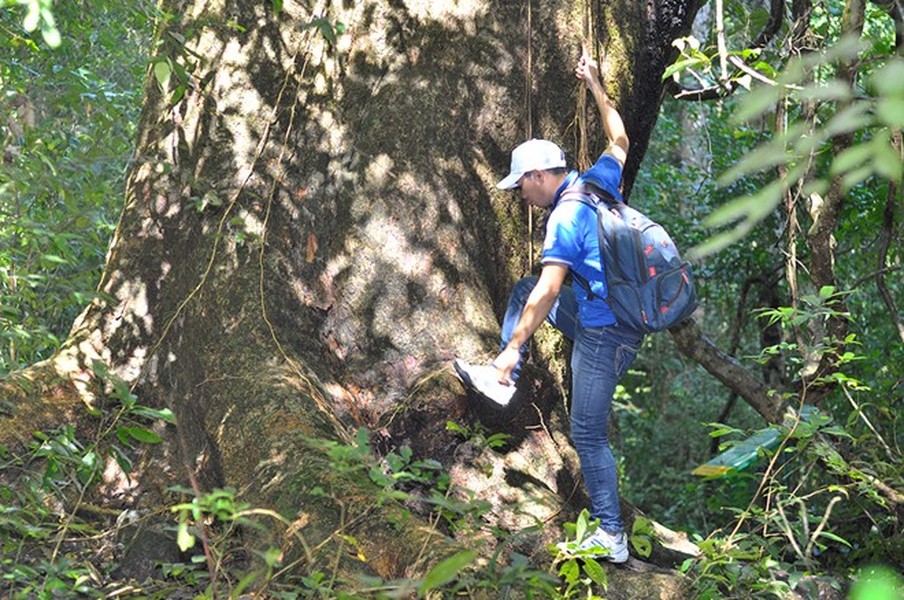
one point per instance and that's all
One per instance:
(311, 233)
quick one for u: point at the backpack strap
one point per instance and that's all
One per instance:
(592, 196)
(589, 194)
(582, 281)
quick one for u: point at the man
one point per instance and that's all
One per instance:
(603, 350)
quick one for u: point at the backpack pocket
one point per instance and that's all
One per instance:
(675, 297)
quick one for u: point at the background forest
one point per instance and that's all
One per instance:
(797, 521)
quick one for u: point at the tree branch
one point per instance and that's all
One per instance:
(712, 92)
(776, 16)
(825, 213)
(800, 18)
(744, 68)
(724, 79)
(693, 344)
(725, 88)
(869, 276)
(837, 462)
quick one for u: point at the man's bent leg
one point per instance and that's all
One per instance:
(562, 315)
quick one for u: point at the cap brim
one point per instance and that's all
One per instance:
(509, 182)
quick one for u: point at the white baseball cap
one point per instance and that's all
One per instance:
(532, 155)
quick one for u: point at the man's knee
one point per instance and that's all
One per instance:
(524, 286)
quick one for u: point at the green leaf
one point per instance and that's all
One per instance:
(184, 539)
(570, 571)
(32, 17)
(837, 432)
(722, 431)
(162, 73)
(681, 65)
(498, 440)
(51, 36)
(756, 103)
(243, 584)
(100, 369)
(49, 163)
(581, 525)
(887, 160)
(890, 111)
(809, 142)
(455, 428)
(857, 176)
(142, 435)
(848, 119)
(832, 90)
(851, 158)
(326, 30)
(876, 583)
(595, 572)
(889, 80)
(123, 436)
(124, 462)
(273, 556)
(446, 570)
(89, 460)
(164, 414)
(719, 241)
(642, 526)
(53, 259)
(752, 207)
(765, 156)
(827, 291)
(178, 93)
(642, 545)
(765, 68)
(835, 538)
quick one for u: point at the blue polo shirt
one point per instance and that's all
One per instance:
(572, 240)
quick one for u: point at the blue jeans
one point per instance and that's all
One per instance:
(563, 315)
(600, 357)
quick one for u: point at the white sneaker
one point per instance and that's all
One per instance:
(615, 544)
(484, 380)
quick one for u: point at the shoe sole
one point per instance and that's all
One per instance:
(469, 384)
(617, 559)
(463, 375)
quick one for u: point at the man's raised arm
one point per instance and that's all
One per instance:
(616, 136)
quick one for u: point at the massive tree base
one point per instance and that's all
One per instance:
(323, 511)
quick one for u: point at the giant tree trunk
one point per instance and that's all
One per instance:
(311, 233)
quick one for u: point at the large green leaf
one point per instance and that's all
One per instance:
(446, 570)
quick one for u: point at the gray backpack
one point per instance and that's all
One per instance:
(650, 287)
